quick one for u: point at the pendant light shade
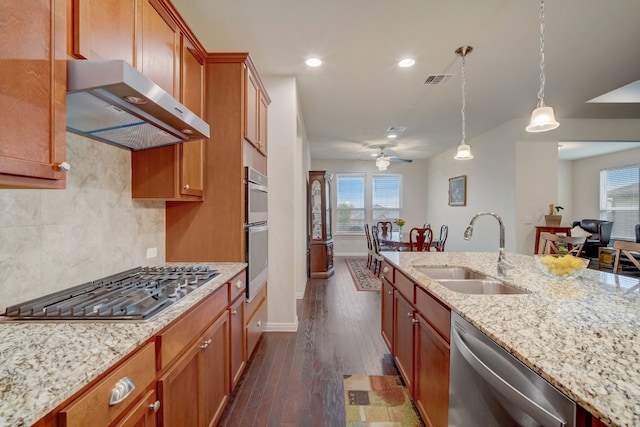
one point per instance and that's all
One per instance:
(542, 118)
(464, 151)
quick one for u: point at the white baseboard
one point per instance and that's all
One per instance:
(351, 254)
(281, 327)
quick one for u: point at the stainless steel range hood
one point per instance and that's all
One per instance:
(112, 102)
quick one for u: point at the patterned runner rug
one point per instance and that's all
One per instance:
(363, 278)
(378, 400)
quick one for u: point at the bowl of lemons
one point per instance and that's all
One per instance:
(561, 266)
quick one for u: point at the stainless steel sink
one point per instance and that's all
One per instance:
(446, 273)
(481, 287)
(468, 281)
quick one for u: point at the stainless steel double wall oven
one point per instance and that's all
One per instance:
(256, 231)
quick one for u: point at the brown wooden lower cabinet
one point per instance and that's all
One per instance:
(387, 312)
(431, 385)
(216, 380)
(403, 339)
(143, 414)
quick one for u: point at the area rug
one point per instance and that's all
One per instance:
(378, 400)
(363, 278)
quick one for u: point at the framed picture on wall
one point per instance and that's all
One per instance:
(458, 191)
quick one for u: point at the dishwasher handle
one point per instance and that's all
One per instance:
(540, 414)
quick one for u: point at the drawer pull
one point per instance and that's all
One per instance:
(390, 292)
(155, 406)
(385, 270)
(121, 391)
(259, 324)
(239, 284)
(187, 186)
(206, 344)
(234, 312)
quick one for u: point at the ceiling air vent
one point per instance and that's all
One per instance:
(437, 79)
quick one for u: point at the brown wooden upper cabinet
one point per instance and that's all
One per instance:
(32, 94)
(256, 107)
(103, 29)
(171, 59)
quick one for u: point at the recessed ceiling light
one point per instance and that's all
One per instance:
(392, 136)
(406, 63)
(313, 62)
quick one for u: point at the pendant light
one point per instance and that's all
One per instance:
(542, 118)
(464, 151)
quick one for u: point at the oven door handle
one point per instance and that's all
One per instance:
(540, 414)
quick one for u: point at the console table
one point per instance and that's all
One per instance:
(549, 229)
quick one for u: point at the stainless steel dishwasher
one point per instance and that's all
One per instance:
(490, 387)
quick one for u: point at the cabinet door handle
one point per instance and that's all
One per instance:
(409, 314)
(239, 284)
(415, 320)
(206, 344)
(155, 406)
(187, 186)
(64, 167)
(385, 270)
(390, 292)
(234, 312)
(121, 390)
(259, 324)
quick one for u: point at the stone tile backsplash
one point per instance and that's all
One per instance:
(55, 239)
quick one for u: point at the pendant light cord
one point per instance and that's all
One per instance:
(464, 103)
(541, 91)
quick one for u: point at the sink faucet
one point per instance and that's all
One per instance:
(503, 264)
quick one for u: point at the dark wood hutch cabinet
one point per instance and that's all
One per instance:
(320, 232)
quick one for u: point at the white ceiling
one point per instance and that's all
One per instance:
(591, 47)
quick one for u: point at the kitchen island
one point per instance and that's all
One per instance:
(43, 364)
(582, 335)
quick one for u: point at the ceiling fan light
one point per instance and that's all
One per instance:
(382, 162)
(542, 120)
(464, 152)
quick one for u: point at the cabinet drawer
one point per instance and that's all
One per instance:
(175, 338)
(237, 286)
(251, 307)
(387, 271)
(438, 315)
(405, 286)
(255, 326)
(93, 406)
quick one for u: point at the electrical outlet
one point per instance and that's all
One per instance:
(152, 252)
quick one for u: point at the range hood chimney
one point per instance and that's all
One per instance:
(112, 102)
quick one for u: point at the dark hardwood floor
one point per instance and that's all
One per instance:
(295, 378)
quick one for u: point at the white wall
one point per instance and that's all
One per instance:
(586, 175)
(414, 197)
(286, 216)
(54, 239)
(490, 187)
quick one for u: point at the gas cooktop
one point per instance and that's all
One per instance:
(137, 294)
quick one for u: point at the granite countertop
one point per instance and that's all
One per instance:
(44, 363)
(582, 335)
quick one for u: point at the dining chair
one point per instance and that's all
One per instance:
(367, 233)
(551, 244)
(631, 251)
(438, 245)
(420, 239)
(377, 257)
(385, 227)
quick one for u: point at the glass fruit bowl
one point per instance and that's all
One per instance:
(561, 266)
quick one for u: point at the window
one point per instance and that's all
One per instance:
(350, 203)
(355, 204)
(385, 197)
(619, 200)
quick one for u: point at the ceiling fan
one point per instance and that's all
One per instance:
(382, 159)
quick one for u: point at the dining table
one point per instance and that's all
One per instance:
(398, 241)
